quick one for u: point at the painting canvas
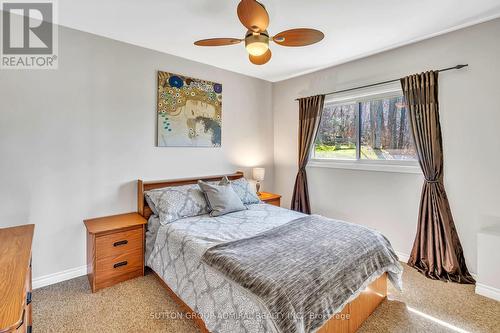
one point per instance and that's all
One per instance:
(189, 111)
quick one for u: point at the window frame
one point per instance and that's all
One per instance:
(400, 166)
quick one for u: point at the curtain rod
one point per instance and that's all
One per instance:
(389, 81)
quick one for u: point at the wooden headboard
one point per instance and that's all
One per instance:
(142, 186)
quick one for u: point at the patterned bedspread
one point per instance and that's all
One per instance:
(307, 270)
(177, 255)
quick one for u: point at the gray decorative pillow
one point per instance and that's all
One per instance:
(176, 202)
(151, 205)
(221, 198)
(244, 190)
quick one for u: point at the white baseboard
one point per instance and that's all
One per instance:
(404, 257)
(487, 291)
(72, 273)
(53, 278)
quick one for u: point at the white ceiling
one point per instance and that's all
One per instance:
(353, 28)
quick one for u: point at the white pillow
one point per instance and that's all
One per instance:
(244, 190)
(176, 202)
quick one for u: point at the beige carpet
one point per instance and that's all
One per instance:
(423, 306)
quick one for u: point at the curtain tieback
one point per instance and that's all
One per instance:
(431, 181)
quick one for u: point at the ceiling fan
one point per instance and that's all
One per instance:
(253, 15)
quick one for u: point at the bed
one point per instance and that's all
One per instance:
(176, 251)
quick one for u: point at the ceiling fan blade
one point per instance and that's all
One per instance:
(298, 37)
(253, 15)
(218, 41)
(262, 59)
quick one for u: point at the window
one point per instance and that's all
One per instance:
(372, 128)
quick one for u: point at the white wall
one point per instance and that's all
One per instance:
(74, 140)
(470, 120)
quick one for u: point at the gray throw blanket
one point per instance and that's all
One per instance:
(308, 269)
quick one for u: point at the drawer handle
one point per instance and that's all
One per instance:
(119, 264)
(122, 242)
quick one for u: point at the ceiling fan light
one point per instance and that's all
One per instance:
(257, 49)
(257, 44)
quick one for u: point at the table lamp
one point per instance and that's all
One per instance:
(258, 176)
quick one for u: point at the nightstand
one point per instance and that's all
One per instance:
(270, 198)
(115, 249)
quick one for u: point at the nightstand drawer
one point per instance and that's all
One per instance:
(117, 243)
(113, 268)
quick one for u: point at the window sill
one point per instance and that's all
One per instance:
(380, 166)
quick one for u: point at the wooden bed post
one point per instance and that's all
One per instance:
(140, 197)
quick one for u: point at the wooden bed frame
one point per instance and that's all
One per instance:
(347, 321)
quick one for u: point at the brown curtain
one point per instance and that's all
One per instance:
(310, 109)
(437, 252)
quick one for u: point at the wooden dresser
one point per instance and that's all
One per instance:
(15, 278)
(270, 198)
(115, 249)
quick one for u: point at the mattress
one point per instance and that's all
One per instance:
(174, 251)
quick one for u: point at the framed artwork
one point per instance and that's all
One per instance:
(189, 111)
